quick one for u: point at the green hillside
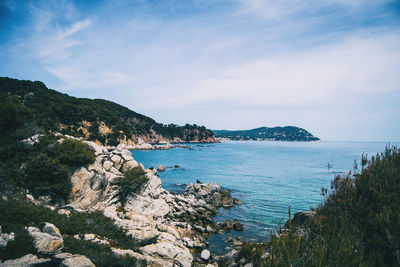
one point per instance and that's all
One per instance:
(94, 119)
(288, 133)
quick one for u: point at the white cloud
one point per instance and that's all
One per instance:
(233, 67)
(78, 26)
(325, 75)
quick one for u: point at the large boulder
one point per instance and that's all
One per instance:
(167, 253)
(72, 260)
(49, 242)
(26, 261)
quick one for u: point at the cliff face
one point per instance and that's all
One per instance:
(97, 120)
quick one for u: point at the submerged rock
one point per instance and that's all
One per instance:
(237, 226)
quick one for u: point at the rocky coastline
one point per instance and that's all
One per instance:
(169, 229)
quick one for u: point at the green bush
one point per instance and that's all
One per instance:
(98, 254)
(131, 182)
(48, 165)
(74, 153)
(47, 176)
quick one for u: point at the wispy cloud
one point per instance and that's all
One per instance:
(202, 61)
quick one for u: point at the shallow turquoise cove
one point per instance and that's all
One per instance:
(267, 176)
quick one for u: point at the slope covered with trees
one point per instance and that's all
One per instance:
(288, 133)
(94, 119)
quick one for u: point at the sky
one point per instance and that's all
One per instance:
(329, 66)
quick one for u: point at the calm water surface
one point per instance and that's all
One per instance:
(267, 176)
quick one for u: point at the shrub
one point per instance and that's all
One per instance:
(74, 153)
(48, 165)
(131, 183)
(98, 254)
(44, 175)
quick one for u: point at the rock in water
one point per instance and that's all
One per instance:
(205, 254)
(237, 226)
(161, 168)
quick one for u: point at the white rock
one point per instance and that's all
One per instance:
(128, 165)
(52, 230)
(117, 160)
(126, 154)
(74, 260)
(64, 211)
(170, 253)
(45, 243)
(98, 150)
(27, 260)
(107, 165)
(205, 254)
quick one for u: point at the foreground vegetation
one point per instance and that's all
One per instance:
(358, 225)
(16, 214)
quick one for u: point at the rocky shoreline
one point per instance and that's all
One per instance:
(169, 229)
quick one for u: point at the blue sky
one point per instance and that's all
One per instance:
(332, 67)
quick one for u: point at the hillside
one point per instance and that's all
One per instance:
(95, 119)
(288, 133)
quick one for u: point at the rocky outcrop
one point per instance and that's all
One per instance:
(26, 261)
(61, 259)
(212, 194)
(166, 227)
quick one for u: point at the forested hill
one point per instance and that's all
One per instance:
(95, 119)
(288, 133)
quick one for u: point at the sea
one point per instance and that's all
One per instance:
(267, 176)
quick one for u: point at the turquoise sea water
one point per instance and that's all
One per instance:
(267, 176)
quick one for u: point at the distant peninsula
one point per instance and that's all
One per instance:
(287, 133)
